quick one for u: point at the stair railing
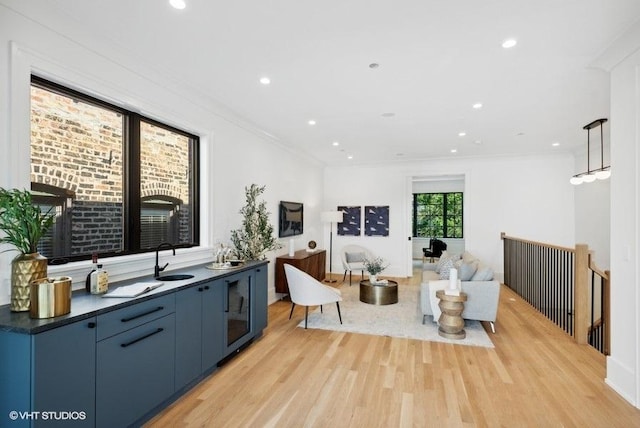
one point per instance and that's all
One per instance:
(556, 281)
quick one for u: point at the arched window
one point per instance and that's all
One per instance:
(57, 242)
(159, 220)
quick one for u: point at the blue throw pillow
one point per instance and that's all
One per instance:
(484, 273)
(466, 271)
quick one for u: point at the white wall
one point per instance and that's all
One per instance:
(528, 197)
(593, 208)
(623, 365)
(234, 154)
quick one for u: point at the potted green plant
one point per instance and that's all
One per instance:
(23, 225)
(374, 266)
(255, 237)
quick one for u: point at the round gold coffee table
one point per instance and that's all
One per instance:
(451, 324)
(383, 294)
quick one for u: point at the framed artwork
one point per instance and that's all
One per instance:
(350, 225)
(376, 220)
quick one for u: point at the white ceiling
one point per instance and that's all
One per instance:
(436, 59)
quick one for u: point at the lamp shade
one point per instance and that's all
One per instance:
(575, 180)
(603, 175)
(332, 216)
(589, 178)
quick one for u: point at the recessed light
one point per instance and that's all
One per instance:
(265, 80)
(335, 144)
(312, 122)
(399, 154)
(454, 150)
(477, 106)
(178, 4)
(556, 144)
(461, 134)
(509, 43)
(388, 114)
(477, 142)
(374, 65)
(349, 157)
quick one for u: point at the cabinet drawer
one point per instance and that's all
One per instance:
(134, 372)
(132, 316)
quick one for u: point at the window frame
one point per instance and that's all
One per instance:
(132, 201)
(445, 234)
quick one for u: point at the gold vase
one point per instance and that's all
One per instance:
(24, 269)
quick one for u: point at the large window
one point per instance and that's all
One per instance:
(121, 183)
(437, 215)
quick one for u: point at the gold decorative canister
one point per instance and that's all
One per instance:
(50, 297)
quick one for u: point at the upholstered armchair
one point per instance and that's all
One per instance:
(353, 257)
(436, 247)
(306, 291)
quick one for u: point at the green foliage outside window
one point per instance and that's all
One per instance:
(437, 215)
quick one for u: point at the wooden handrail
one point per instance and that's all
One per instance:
(593, 267)
(504, 236)
(596, 324)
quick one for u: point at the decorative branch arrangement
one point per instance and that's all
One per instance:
(255, 237)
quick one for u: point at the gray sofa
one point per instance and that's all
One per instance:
(483, 292)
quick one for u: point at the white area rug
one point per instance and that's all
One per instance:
(402, 319)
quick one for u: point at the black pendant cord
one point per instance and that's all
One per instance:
(601, 148)
(588, 151)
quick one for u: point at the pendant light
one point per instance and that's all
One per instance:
(601, 173)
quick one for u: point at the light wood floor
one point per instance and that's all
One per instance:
(535, 377)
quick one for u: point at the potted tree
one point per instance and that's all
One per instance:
(255, 237)
(23, 225)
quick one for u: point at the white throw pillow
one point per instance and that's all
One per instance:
(446, 268)
(443, 258)
(355, 257)
(467, 257)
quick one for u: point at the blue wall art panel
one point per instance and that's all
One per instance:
(376, 221)
(350, 225)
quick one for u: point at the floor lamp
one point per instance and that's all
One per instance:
(331, 217)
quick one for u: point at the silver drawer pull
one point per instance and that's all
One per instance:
(124, 345)
(159, 308)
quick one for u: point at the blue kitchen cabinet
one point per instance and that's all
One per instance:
(199, 331)
(212, 325)
(118, 365)
(63, 375)
(260, 306)
(135, 363)
(48, 379)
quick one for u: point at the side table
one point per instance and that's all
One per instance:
(451, 324)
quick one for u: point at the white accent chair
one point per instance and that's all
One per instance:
(306, 291)
(353, 257)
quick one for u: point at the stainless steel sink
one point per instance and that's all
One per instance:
(174, 277)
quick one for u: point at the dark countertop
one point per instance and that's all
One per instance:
(85, 305)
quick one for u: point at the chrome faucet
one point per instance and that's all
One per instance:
(157, 269)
